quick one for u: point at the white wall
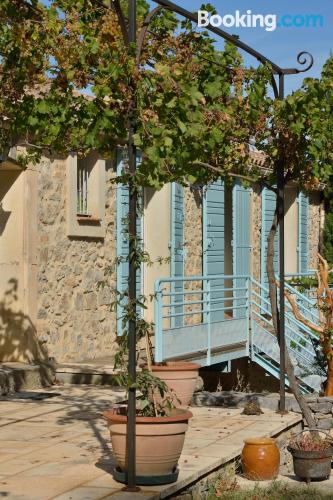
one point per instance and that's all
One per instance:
(18, 285)
(291, 230)
(156, 228)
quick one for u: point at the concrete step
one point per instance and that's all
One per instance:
(99, 371)
(92, 372)
(15, 376)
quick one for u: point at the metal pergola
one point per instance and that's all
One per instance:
(278, 79)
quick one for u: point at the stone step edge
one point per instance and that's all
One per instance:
(86, 374)
(17, 376)
(82, 368)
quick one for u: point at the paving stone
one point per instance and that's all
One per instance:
(86, 493)
(16, 465)
(37, 487)
(103, 481)
(66, 453)
(140, 495)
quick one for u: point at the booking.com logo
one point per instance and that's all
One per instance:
(268, 21)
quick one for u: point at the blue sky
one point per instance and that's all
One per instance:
(282, 45)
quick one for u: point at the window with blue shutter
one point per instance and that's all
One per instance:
(241, 199)
(303, 232)
(213, 243)
(122, 239)
(268, 205)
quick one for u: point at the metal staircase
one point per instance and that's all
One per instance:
(301, 341)
(214, 319)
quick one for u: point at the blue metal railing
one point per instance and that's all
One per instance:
(203, 301)
(206, 304)
(300, 339)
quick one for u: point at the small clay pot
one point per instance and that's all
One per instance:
(260, 459)
(181, 377)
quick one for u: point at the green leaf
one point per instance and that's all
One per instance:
(42, 108)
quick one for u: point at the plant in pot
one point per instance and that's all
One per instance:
(180, 376)
(312, 454)
(160, 426)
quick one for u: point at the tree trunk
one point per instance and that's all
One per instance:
(327, 351)
(329, 382)
(275, 317)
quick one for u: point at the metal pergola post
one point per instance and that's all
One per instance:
(303, 58)
(281, 217)
(131, 415)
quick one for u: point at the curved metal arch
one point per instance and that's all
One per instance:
(302, 57)
(223, 34)
(143, 31)
(305, 58)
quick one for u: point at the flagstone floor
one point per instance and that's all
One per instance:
(58, 447)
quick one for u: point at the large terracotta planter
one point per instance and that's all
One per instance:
(159, 440)
(180, 376)
(260, 459)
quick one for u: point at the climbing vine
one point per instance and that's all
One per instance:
(69, 80)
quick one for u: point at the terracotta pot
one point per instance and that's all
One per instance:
(180, 376)
(159, 440)
(260, 459)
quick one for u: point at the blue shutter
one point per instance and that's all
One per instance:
(241, 240)
(122, 239)
(303, 236)
(213, 243)
(268, 205)
(177, 248)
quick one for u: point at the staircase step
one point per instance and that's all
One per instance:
(267, 345)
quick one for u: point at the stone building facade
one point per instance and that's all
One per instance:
(73, 312)
(58, 257)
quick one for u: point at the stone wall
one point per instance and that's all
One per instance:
(316, 211)
(322, 410)
(73, 317)
(316, 223)
(256, 233)
(193, 247)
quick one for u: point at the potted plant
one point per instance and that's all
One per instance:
(312, 454)
(179, 376)
(160, 426)
(160, 433)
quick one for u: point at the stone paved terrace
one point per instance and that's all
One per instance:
(59, 447)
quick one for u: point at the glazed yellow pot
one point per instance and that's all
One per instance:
(260, 459)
